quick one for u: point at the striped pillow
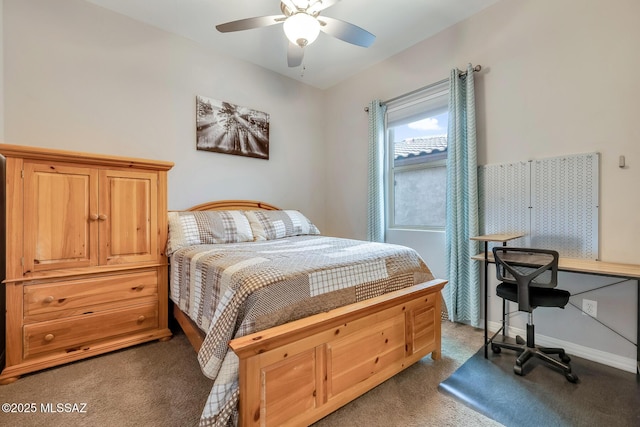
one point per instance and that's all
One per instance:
(269, 225)
(188, 228)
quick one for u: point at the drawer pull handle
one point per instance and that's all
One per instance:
(141, 319)
(138, 288)
(102, 217)
(49, 337)
(48, 299)
(93, 217)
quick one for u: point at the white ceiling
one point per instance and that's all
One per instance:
(397, 25)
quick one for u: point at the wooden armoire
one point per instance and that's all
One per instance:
(83, 245)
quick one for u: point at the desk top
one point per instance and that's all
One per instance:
(501, 237)
(587, 266)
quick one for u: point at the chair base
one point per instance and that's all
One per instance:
(528, 350)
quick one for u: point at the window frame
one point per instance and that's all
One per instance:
(439, 90)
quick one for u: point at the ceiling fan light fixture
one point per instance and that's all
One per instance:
(301, 29)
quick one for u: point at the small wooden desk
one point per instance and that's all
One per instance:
(583, 266)
(501, 238)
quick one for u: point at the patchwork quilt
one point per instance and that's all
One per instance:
(231, 290)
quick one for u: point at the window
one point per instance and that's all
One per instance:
(416, 158)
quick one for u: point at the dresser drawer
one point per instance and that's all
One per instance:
(77, 297)
(74, 333)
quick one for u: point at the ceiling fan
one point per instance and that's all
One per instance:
(302, 23)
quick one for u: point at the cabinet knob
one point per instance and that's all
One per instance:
(102, 217)
(48, 299)
(49, 337)
(138, 288)
(141, 319)
(93, 217)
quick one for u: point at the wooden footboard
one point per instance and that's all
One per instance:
(297, 373)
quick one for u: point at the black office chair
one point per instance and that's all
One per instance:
(529, 277)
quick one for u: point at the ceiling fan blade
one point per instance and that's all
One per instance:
(294, 55)
(346, 32)
(320, 5)
(290, 5)
(250, 23)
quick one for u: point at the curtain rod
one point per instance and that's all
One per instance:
(460, 74)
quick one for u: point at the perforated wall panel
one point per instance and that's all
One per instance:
(564, 205)
(504, 200)
(554, 201)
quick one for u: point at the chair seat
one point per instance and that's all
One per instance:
(538, 297)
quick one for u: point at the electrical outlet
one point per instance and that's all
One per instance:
(590, 307)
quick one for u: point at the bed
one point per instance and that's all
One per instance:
(291, 324)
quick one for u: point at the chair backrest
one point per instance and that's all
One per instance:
(526, 267)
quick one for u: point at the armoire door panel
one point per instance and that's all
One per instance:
(128, 217)
(59, 203)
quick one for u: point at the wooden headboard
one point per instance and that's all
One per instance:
(247, 205)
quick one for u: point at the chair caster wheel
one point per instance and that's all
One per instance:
(517, 370)
(520, 340)
(565, 358)
(496, 349)
(571, 377)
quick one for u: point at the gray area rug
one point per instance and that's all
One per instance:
(604, 396)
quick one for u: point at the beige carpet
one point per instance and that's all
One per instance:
(160, 384)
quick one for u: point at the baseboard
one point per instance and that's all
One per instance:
(599, 356)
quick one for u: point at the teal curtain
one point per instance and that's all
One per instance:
(462, 294)
(375, 204)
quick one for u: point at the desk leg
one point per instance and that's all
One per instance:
(486, 296)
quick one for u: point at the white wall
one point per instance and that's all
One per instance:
(79, 77)
(557, 79)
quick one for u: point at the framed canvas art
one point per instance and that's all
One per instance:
(227, 128)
